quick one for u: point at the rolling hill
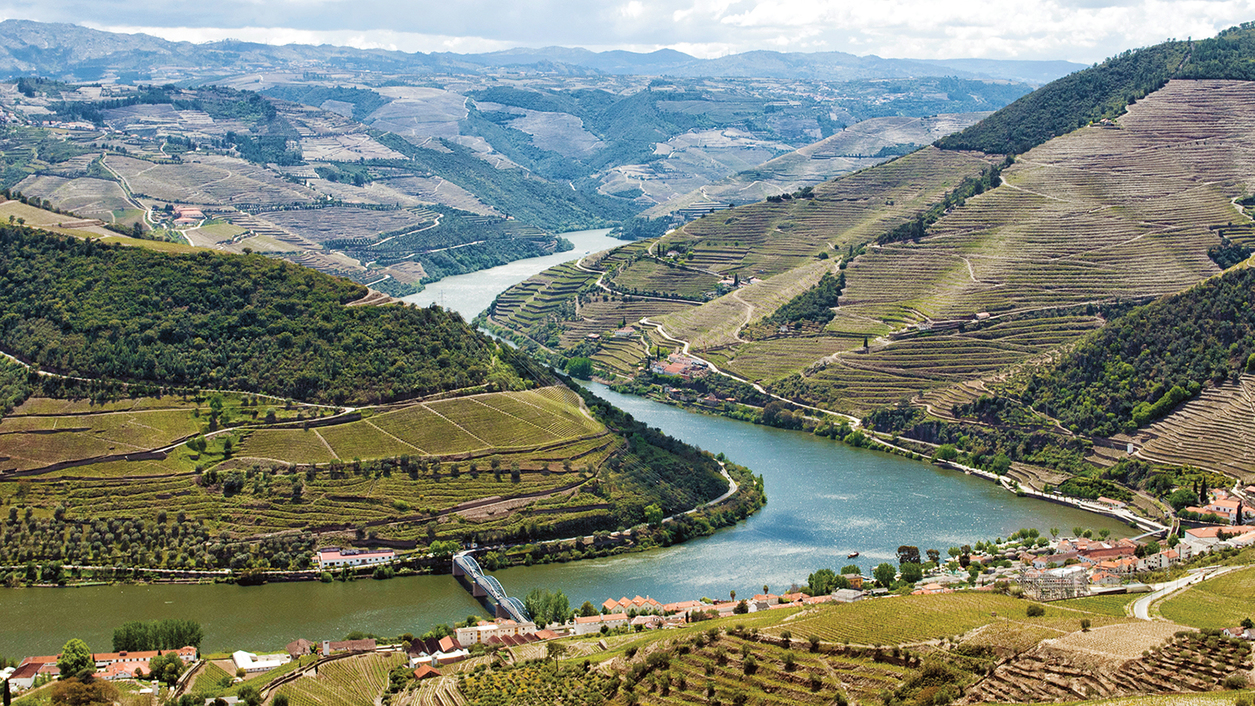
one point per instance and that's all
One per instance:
(969, 266)
(253, 398)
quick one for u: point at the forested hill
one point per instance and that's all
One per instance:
(227, 321)
(1143, 363)
(1106, 89)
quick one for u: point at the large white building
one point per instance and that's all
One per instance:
(334, 557)
(250, 662)
(593, 623)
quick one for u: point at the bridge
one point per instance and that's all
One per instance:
(487, 589)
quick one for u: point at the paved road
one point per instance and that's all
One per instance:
(1141, 608)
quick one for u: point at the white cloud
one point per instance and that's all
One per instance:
(1079, 30)
(633, 9)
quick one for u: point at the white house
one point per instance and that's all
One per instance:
(593, 623)
(334, 557)
(250, 662)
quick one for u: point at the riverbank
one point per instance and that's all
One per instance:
(863, 437)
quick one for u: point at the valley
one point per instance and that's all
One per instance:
(885, 381)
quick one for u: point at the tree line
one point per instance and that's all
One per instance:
(168, 634)
(225, 321)
(1142, 364)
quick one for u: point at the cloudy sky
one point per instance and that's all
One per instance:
(1076, 30)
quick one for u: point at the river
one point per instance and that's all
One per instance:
(825, 500)
(471, 293)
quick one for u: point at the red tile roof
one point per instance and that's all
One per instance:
(425, 672)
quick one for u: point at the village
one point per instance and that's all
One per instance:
(1027, 565)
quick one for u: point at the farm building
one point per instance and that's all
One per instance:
(252, 663)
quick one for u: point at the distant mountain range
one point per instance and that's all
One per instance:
(71, 51)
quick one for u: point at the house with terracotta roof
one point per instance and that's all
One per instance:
(1104, 578)
(426, 672)
(684, 607)
(435, 652)
(1202, 539)
(1159, 560)
(485, 630)
(299, 648)
(24, 676)
(1228, 509)
(637, 604)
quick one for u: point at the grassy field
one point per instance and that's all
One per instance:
(478, 424)
(1107, 605)
(42, 431)
(1218, 603)
(917, 618)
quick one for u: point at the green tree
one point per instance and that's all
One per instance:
(946, 452)
(884, 574)
(580, 367)
(588, 610)
(250, 696)
(167, 668)
(912, 572)
(653, 515)
(547, 607)
(908, 554)
(75, 658)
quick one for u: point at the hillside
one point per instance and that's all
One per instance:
(964, 648)
(1105, 90)
(969, 278)
(184, 385)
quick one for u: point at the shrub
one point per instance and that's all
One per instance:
(1035, 611)
(1235, 681)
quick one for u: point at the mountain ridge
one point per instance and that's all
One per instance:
(61, 48)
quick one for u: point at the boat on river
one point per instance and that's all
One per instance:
(852, 555)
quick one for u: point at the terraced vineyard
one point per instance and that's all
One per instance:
(765, 361)
(1111, 662)
(353, 681)
(1215, 431)
(769, 238)
(717, 323)
(651, 277)
(1095, 215)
